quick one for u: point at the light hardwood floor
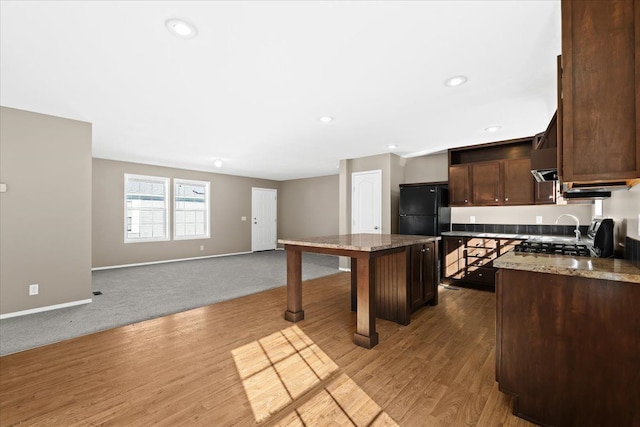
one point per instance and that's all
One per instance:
(240, 363)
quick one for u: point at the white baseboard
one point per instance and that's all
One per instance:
(45, 308)
(166, 261)
(344, 269)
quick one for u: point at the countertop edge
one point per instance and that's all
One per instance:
(410, 240)
(547, 267)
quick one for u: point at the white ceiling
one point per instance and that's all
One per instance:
(250, 88)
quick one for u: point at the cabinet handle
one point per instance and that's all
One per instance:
(465, 200)
(496, 200)
(551, 197)
(479, 274)
(506, 199)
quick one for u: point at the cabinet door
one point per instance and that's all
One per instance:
(600, 90)
(454, 267)
(486, 183)
(459, 185)
(430, 273)
(518, 182)
(416, 277)
(545, 193)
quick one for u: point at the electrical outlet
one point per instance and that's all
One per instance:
(243, 218)
(472, 219)
(202, 247)
(34, 289)
(538, 219)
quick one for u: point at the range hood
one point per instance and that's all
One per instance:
(544, 153)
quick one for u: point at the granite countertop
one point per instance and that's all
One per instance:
(542, 237)
(593, 268)
(360, 242)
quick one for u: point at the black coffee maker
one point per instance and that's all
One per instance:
(600, 236)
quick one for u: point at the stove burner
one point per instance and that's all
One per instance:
(553, 248)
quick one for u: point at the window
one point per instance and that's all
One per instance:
(191, 209)
(146, 201)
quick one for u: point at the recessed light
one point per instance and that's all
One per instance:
(456, 81)
(181, 28)
(217, 163)
(493, 128)
(392, 146)
(326, 119)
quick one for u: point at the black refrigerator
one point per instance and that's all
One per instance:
(424, 209)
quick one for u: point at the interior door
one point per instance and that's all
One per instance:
(264, 219)
(366, 202)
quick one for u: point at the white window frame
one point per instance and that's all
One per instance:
(167, 196)
(207, 211)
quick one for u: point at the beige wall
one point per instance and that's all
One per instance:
(431, 168)
(624, 208)
(308, 207)
(45, 215)
(397, 170)
(230, 200)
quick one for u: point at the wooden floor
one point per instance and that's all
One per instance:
(240, 363)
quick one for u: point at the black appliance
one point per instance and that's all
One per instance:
(424, 209)
(598, 243)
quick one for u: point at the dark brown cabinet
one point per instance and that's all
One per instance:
(600, 81)
(469, 260)
(486, 183)
(567, 348)
(503, 182)
(492, 174)
(404, 281)
(423, 274)
(454, 263)
(459, 185)
(545, 192)
(518, 182)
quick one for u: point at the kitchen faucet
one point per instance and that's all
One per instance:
(577, 230)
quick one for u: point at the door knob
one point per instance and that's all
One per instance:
(376, 227)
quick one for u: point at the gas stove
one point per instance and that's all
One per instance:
(555, 248)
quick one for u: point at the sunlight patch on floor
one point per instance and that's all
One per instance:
(282, 367)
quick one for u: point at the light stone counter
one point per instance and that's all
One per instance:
(360, 242)
(594, 268)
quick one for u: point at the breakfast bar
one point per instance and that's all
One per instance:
(366, 251)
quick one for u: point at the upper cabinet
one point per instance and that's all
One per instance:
(518, 182)
(599, 112)
(492, 174)
(459, 185)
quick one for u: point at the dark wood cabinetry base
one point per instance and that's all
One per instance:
(568, 348)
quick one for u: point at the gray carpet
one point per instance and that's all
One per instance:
(133, 294)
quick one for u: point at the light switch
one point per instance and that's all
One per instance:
(243, 218)
(538, 219)
(3, 188)
(472, 219)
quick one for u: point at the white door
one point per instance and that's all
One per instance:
(366, 202)
(264, 219)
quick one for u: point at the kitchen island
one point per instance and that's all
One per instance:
(404, 266)
(567, 338)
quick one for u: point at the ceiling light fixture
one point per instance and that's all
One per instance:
(493, 128)
(217, 163)
(392, 146)
(326, 119)
(181, 28)
(455, 81)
